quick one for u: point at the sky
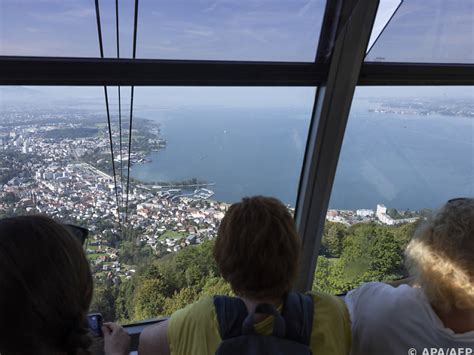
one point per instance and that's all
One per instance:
(268, 30)
(283, 30)
(169, 29)
(428, 31)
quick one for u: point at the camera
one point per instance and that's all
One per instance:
(95, 324)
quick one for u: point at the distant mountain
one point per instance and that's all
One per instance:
(42, 96)
(20, 93)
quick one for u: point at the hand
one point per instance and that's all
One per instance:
(116, 339)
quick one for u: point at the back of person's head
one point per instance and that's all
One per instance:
(257, 248)
(45, 288)
(441, 256)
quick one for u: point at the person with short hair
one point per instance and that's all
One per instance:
(46, 288)
(257, 251)
(437, 312)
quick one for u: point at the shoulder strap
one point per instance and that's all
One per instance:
(279, 324)
(231, 313)
(298, 314)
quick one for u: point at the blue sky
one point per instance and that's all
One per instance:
(428, 31)
(191, 29)
(422, 30)
(285, 30)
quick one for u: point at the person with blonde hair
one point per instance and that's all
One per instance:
(437, 310)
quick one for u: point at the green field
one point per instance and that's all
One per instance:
(94, 256)
(172, 234)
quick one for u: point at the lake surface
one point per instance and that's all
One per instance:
(405, 162)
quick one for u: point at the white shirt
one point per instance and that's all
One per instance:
(400, 320)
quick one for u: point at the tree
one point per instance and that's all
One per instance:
(392, 212)
(216, 286)
(370, 252)
(195, 264)
(167, 284)
(124, 300)
(179, 300)
(10, 198)
(135, 252)
(149, 300)
(324, 279)
(332, 239)
(103, 301)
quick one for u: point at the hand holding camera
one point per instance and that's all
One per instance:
(116, 339)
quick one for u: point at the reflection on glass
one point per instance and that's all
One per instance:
(406, 152)
(427, 31)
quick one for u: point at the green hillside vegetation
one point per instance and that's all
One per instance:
(349, 256)
(71, 133)
(360, 253)
(162, 286)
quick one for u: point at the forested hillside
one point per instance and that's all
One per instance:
(349, 256)
(360, 253)
(162, 286)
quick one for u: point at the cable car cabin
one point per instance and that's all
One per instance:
(139, 124)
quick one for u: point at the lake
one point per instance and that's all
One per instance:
(405, 162)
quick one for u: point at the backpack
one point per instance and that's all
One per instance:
(291, 329)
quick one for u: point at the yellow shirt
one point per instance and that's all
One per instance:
(195, 330)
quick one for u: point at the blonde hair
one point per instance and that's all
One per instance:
(441, 256)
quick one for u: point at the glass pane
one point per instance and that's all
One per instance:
(208, 29)
(230, 30)
(194, 151)
(385, 12)
(48, 28)
(230, 137)
(426, 31)
(406, 152)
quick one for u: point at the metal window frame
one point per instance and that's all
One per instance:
(330, 114)
(62, 71)
(150, 72)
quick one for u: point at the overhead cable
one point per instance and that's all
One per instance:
(135, 27)
(101, 48)
(117, 33)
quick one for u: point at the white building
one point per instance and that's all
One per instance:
(381, 209)
(383, 216)
(365, 213)
(25, 147)
(386, 219)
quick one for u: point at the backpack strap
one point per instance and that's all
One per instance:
(279, 324)
(231, 313)
(298, 314)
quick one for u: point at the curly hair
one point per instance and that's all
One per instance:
(257, 248)
(46, 288)
(441, 256)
